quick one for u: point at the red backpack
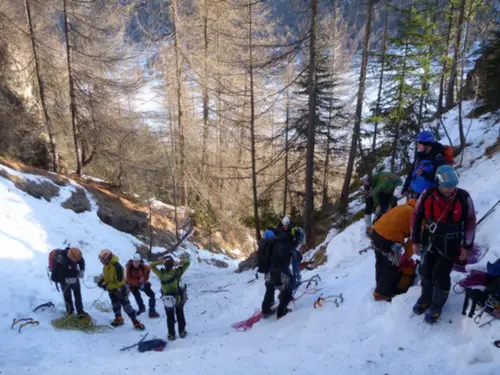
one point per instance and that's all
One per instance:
(52, 260)
(448, 155)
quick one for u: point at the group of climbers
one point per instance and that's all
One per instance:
(277, 251)
(439, 226)
(67, 267)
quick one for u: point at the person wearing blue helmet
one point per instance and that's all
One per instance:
(444, 226)
(430, 156)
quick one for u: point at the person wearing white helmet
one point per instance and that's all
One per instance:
(138, 280)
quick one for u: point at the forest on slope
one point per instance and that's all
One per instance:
(243, 110)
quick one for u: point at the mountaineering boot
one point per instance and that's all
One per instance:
(142, 309)
(432, 315)
(420, 308)
(380, 297)
(139, 326)
(268, 314)
(171, 337)
(182, 334)
(83, 316)
(154, 314)
(118, 321)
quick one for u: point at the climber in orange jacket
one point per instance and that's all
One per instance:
(394, 270)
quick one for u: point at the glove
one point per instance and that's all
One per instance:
(141, 285)
(81, 274)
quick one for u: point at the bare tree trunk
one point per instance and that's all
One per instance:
(252, 125)
(398, 125)
(460, 86)
(327, 157)
(454, 67)
(287, 127)
(41, 89)
(344, 196)
(71, 86)
(205, 90)
(309, 198)
(445, 65)
(381, 79)
(182, 151)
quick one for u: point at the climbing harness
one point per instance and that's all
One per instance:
(26, 322)
(319, 302)
(48, 304)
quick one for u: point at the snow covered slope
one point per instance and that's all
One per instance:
(360, 336)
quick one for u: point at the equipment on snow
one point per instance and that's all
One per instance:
(488, 213)
(48, 304)
(319, 302)
(497, 343)
(26, 322)
(247, 324)
(145, 346)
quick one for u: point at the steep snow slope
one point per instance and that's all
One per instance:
(359, 337)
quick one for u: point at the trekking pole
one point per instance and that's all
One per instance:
(490, 211)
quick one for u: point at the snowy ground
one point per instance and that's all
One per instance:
(359, 337)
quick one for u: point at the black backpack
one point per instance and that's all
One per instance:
(281, 255)
(264, 253)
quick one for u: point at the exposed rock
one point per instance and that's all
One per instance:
(320, 257)
(248, 263)
(214, 262)
(44, 189)
(129, 223)
(78, 202)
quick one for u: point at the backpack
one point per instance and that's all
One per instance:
(264, 253)
(56, 273)
(281, 254)
(155, 344)
(448, 155)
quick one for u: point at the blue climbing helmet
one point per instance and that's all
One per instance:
(269, 234)
(425, 137)
(446, 176)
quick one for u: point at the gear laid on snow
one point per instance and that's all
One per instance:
(25, 322)
(47, 304)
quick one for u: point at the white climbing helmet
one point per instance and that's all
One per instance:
(285, 220)
(398, 192)
(136, 257)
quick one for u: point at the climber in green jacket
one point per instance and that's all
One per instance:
(383, 185)
(173, 294)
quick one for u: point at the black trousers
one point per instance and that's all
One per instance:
(368, 205)
(138, 298)
(68, 290)
(119, 298)
(435, 272)
(285, 296)
(387, 275)
(181, 320)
